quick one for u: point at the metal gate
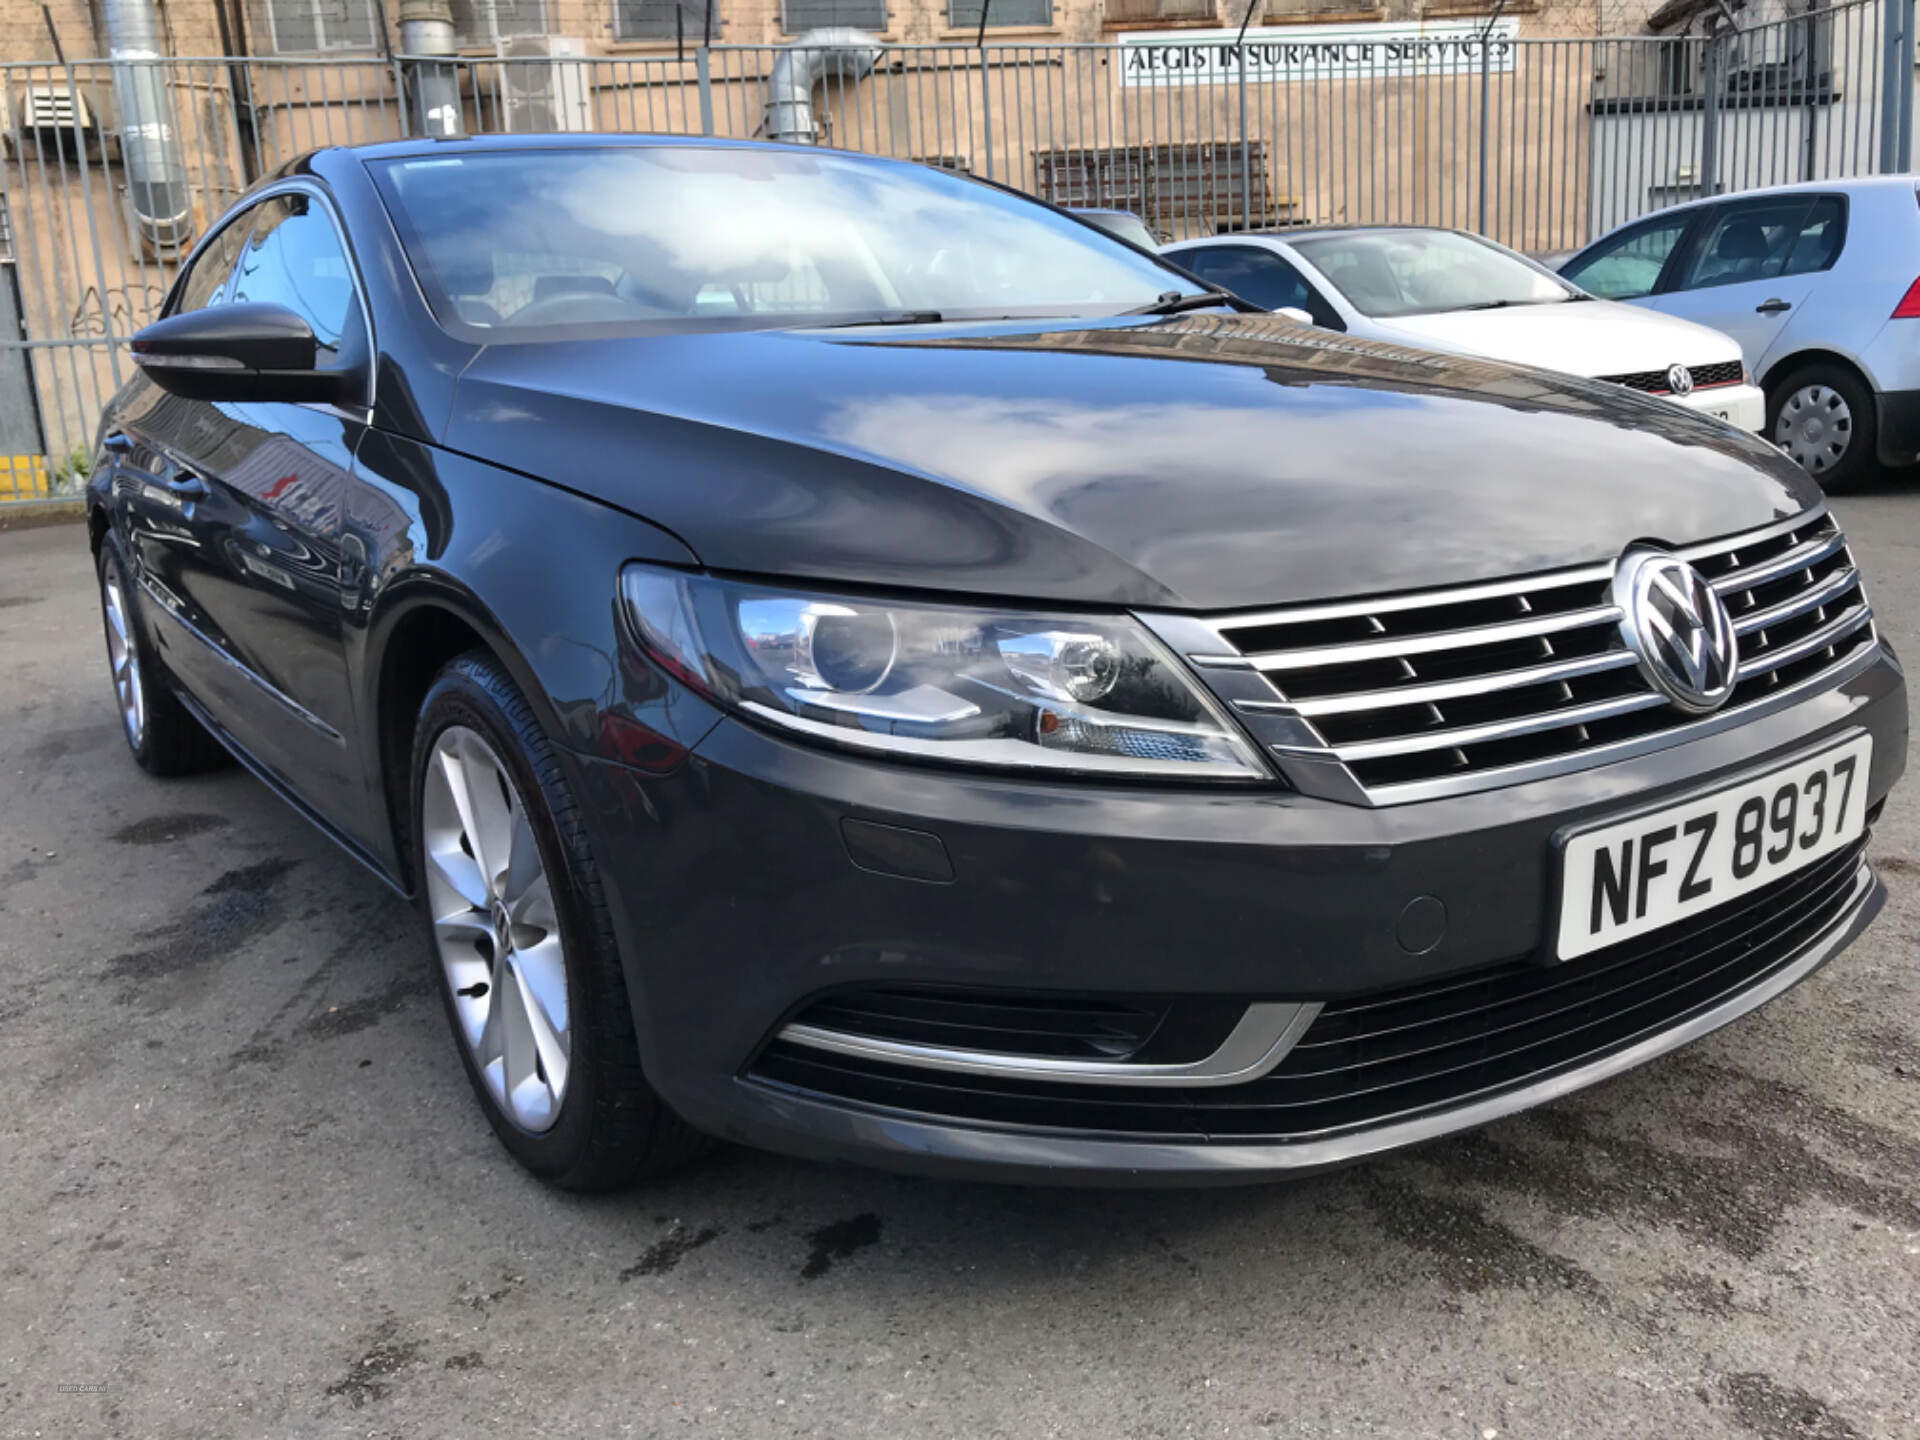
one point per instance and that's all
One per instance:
(1540, 143)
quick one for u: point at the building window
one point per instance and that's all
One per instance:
(305, 27)
(1282, 12)
(483, 22)
(1143, 12)
(965, 14)
(798, 16)
(664, 19)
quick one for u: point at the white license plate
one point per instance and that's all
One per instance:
(1625, 878)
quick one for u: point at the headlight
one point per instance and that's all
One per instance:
(954, 683)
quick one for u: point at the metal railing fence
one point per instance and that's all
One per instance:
(1540, 143)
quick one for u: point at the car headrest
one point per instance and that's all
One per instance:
(464, 268)
(1742, 240)
(546, 286)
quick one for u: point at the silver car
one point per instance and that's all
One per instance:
(1817, 283)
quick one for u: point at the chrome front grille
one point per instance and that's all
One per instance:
(1415, 695)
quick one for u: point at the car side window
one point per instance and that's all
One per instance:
(1821, 236)
(1259, 276)
(1629, 265)
(1748, 241)
(294, 258)
(213, 267)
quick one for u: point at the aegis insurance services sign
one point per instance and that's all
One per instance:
(1317, 52)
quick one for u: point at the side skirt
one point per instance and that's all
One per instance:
(287, 793)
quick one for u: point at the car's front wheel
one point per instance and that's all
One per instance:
(523, 948)
(1823, 417)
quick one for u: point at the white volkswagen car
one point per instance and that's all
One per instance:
(1816, 282)
(1448, 290)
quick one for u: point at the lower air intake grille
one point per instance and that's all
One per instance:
(1371, 1060)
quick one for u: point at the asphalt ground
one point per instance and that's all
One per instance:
(244, 1189)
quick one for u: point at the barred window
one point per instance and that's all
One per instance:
(1135, 11)
(965, 14)
(655, 20)
(802, 15)
(482, 22)
(305, 27)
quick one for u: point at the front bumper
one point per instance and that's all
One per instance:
(1742, 406)
(737, 901)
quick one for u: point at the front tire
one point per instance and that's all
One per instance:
(1823, 416)
(164, 738)
(522, 945)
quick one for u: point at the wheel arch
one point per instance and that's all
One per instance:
(1780, 369)
(422, 626)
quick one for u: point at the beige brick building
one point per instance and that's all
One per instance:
(640, 27)
(1129, 103)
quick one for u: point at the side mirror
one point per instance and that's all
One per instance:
(250, 351)
(1295, 314)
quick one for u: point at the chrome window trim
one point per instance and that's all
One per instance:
(1256, 1044)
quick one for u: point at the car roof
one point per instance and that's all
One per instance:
(1288, 234)
(422, 147)
(1856, 185)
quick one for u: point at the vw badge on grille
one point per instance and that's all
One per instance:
(1679, 380)
(1675, 625)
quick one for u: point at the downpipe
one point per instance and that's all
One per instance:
(838, 51)
(426, 32)
(158, 191)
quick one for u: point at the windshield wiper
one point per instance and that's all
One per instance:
(1172, 302)
(892, 317)
(1503, 304)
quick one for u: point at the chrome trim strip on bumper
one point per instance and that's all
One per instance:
(1041, 1155)
(1256, 1044)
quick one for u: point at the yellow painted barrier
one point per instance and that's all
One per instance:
(23, 477)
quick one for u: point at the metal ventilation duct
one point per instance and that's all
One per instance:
(157, 188)
(838, 51)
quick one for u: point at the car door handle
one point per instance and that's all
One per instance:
(1771, 307)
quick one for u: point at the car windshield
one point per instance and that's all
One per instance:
(515, 242)
(1385, 273)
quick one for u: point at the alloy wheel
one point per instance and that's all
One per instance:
(123, 654)
(495, 928)
(1815, 427)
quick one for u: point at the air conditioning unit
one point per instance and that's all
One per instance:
(545, 83)
(57, 118)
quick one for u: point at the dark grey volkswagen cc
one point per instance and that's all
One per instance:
(856, 661)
